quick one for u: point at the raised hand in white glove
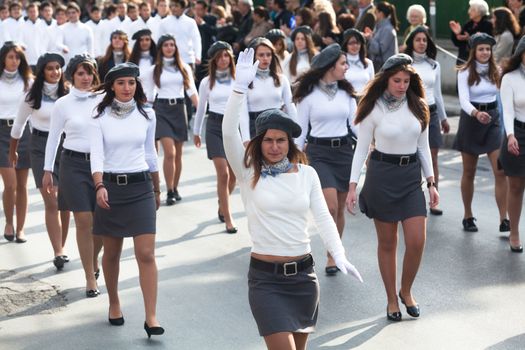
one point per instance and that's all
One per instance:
(245, 70)
(345, 266)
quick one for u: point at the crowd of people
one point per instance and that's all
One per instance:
(90, 94)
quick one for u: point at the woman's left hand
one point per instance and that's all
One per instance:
(102, 198)
(197, 141)
(434, 197)
(157, 200)
(346, 266)
(13, 158)
(445, 126)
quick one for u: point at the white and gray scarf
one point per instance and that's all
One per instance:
(50, 90)
(330, 89)
(263, 73)
(121, 110)
(283, 166)
(391, 102)
(9, 77)
(223, 76)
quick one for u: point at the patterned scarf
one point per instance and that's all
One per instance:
(330, 89)
(283, 166)
(223, 76)
(79, 94)
(482, 69)
(391, 102)
(121, 110)
(263, 73)
(422, 57)
(118, 57)
(353, 60)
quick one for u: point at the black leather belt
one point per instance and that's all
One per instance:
(401, 160)
(126, 178)
(170, 101)
(334, 142)
(432, 108)
(215, 116)
(40, 133)
(7, 122)
(519, 124)
(288, 269)
(483, 107)
(75, 154)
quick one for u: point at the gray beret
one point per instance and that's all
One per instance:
(306, 30)
(276, 119)
(352, 32)
(399, 59)
(260, 41)
(520, 48)
(8, 45)
(46, 58)
(140, 33)
(127, 69)
(217, 46)
(75, 61)
(481, 38)
(118, 32)
(327, 57)
(417, 30)
(274, 34)
(164, 38)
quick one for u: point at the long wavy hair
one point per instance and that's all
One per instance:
(253, 156)
(310, 49)
(177, 63)
(470, 65)
(415, 95)
(212, 66)
(431, 46)
(34, 96)
(90, 69)
(109, 96)
(104, 60)
(362, 49)
(275, 66)
(136, 52)
(23, 68)
(511, 64)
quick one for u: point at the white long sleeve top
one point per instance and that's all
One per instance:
(216, 98)
(431, 77)
(72, 115)
(513, 99)
(10, 97)
(13, 29)
(484, 92)
(187, 35)
(123, 145)
(34, 39)
(303, 64)
(265, 95)
(394, 132)
(357, 74)
(101, 39)
(277, 208)
(171, 83)
(78, 38)
(327, 117)
(39, 118)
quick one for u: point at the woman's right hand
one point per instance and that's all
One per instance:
(197, 141)
(454, 27)
(513, 146)
(245, 70)
(47, 182)
(102, 198)
(483, 117)
(351, 200)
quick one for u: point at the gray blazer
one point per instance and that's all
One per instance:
(383, 43)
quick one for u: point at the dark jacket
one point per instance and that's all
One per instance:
(244, 28)
(368, 19)
(483, 26)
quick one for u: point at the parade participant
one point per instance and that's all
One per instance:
(126, 177)
(171, 78)
(36, 108)
(360, 69)
(326, 105)
(71, 115)
(117, 52)
(382, 41)
(270, 88)
(512, 156)
(303, 52)
(393, 114)
(76, 37)
(421, 47)
(278, 40)
(15, 80)
(479, 130)
(416, 17)
(144, 51)
(215, 90)
(278, 191)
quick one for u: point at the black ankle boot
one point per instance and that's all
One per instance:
(170, 199)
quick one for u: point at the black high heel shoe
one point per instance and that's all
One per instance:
(10, 238)
(153, 330)
(116, 321)
(393, 316)
(411, 310)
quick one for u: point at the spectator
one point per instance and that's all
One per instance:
(517, 8)
(283, 16)
(326, 31)
(339, 7)
(367, 17)
(208, 29)
(261, 24)
(506, 30)
(304, 17)
(345, 21)
(382, 42)
(416, 16)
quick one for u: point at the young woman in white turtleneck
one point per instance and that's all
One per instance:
(360, 69)
(303, 51)
(117, 52)
(15, 80)
(144, 52)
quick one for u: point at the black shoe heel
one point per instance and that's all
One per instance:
(411, 310)
(393, 316)
(10, 238)
(153, 330)
(59, 262)
(116, 321)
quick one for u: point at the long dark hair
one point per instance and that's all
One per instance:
(505, 20)
(34, 96)
(310, 49)
(212, 66)
(104, 60)
(253, 156)
(135, 53)
(307, 82)
(389, 10)
(362, 49)
(415, 95)
(90, 69)
(177, 62)
(470, 65)
(431, 46)
(23, 68)
(511, 64)
(106, 88)
(275, 66)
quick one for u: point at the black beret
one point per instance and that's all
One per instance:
(276, 119)
(118, 32)
(481, 38)
(260, 41)
(327, 57)
(164, 38)
(140, 33)
(353, 32)
(217, 46)
(417, 30)
(396, 60)
(520, 48)
(48, 57)
(8, 45)
(75, 61)
(306, 30)
(274, 34)
(127, 69)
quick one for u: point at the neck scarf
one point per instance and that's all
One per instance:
(121, 110)
(303, 52)
(118, 57)
(79, 94)
(391, 102)
(263, 73)
(223, 76)
(422, 57)
(10, 77)
(168, 64)
(144, 54)
(330, 89)
(282, 166)
(50, 90)
(482, 69)
(353, 60)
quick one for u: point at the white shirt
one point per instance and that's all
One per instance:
(171, 83)
(34, 39)
(216, 98)
(100, 40)
(40, 118)
(431, 77)
(13, 29)
(78, 38)
(10, 98)
(513, 99)
(154, 26)
(303, 64)
(277, 208)
(71, 114)
(484, 92)
(186, 34)
(394, 132)
(134, 27)
(123, 145)
(327, 117)
(357, 74)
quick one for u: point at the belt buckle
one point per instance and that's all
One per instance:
(288, 264)
(122, 179)
(10, 122)
(483, 107)
(335, 143)
(86, 157)
(172, 101)
(404, 160)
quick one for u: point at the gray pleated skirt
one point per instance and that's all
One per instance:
(513, 165)
(435, 139)
(333, 165)
(24, 161)
(132, 210)
(214, 144)
(37, 146)
(475, 138)
(284, 303)
(172, 121)
(391, 192)
(76, 186)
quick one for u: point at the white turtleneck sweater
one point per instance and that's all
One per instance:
(357, 74)
(186, 32)
(78, 38)
(303, 65)
(431, 77)
(171, 82)
(512, 98)
(484, 92)
(10, 97)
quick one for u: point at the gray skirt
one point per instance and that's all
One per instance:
(37, 146)
(333, 165)
(392, 192)
(435, 139)
(513, 165)
(214, 144)
(132, 210)
(172, 121)
(24, 161)
(284, 303)
(475, 138)
(76, 186)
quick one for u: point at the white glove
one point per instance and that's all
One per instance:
(245, 70)
(345, 266)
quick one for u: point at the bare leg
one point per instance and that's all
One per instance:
(53, 226)
(21, 201)
(168, 147)
(8, 198)
(300, 340)
(470, 162)
(97, 247)
(145, 255)
(435, 166)
(178, 163)
(515, 204)
(231, 180)
(331, 197)
(111, 267)
(223, 180)
(415, 235)
(64, 219)
(84, 222)
(501, 186)
(280, 341)
(386, 256)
